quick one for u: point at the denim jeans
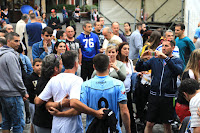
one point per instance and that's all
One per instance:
(12, 113)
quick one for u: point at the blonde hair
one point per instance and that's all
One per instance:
(110, 47)
(193, 63)
(116, 42)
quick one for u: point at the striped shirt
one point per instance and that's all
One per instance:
(194, 104)
(174, 53)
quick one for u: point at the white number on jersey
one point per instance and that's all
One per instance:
(89, 43)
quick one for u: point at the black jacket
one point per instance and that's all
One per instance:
(30, 84)
(101, 126)
(54, 20)
(42, 118)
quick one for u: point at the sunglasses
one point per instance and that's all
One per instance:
(59, 40)
(48, 35)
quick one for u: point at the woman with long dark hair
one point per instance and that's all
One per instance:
(59, 47)
(123, 52)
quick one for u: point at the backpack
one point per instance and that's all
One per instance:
(50, 17)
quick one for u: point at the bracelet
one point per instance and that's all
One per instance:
(59, 105)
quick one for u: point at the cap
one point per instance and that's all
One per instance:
(53, 10)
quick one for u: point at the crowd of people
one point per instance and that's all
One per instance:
(112, 77)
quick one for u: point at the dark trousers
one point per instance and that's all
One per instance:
(130, 108)
(86, 70)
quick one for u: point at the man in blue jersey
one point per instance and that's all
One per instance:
(102, 85)
(89, 44)
(184, 43)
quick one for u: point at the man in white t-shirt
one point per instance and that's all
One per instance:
(109, 36)
(58, 87)
(190, 89)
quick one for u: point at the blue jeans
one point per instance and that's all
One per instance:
(12, 113)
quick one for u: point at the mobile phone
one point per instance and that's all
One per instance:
(153, 54)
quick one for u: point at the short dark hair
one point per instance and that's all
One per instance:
(101, 62)
(181, 25)
(59, 34)
(36, 60)
(32, 16)
(10, 36)
(58, 27)
(47, 29)
(172, 42)
(189, 86)
(139, 24)
(69, 58)
(99, 18)
(24, 17)
(3, 41)
(95, 23)
(87, 22)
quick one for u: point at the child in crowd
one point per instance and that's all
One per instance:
(31, 83)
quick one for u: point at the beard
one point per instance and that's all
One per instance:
(142, 31)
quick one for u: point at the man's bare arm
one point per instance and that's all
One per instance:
(38, 101)
(125, 116)
(81, 107)
(67, 113)
(196, 130)
(64, 103)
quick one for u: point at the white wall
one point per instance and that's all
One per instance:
(194, 17)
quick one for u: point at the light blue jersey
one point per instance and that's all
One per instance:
(111, 89)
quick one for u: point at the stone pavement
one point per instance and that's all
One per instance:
(157, 128)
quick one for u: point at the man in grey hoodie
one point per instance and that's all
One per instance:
(12, 89)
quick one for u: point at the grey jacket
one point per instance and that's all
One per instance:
(121, 74)
(136, 43)
(11, 83)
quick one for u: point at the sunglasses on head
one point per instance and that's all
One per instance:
(59, 40)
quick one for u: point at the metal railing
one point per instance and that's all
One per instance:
(157, 9)
(126, 10)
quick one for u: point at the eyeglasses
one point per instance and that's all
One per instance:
(48, 35)
(59, 40)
